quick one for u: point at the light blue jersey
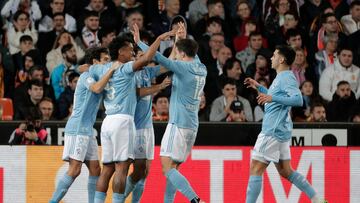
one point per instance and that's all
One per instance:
(120, 92)
(85, 107)
(143, 112)
(285, 94)
(187, 84)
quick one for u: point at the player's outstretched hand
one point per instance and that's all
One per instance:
(166, 82)
(263, 98)
(136, 33)
(251, 83)
(166, 35)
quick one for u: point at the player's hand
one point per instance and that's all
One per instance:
(84, 67)
(116, 65)
(167, 35)
(251, 83)
(31, 135)
(165, 83)
(181, 32)
(263, 98)
(136, 33)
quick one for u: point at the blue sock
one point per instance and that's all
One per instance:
(253, 189)
(138, 191)
(129, 186)
(99, 197)
(118, 198)
(180, 183)
(170, 192)
(62, 187)
(301, 183)
(92, 188)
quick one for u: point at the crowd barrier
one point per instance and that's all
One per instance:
(226, 134)
(219, 174)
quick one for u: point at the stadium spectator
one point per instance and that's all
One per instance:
(342, 69)
(299, 65)
(160, 107)
(10, 8)
(241, 41)
(311, 10)
(31, 132)
(124, 8)
(106, 35)
(47, 39)
(21, 26)
(133, 17)
(67, 97)
(204, 109)
(310, 96)
(243, 15)
(197, 9)
(161, 22)
(55, 57)
(247, 56)
(294, 38)
(46, 106)
(34, 95)
(213, 26)
(342, 104)
(60, 73)
(325, 58)
(48, 22)
(88, 37)
(220, 108)
(318, 113)
(261, 68)
(351, 22)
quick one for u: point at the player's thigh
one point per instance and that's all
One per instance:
(266, 149)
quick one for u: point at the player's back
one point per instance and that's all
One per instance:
(277, 121)
(187, 84)
(85, 106)
(120, 91)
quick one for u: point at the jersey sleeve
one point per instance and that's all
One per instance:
(88, 80)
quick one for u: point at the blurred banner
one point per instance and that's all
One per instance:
(218, 174)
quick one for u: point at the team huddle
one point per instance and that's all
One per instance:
(122, 78)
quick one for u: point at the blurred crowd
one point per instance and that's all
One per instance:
(43, 43)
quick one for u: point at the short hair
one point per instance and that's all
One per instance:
(228, 81)
(354, 3)
(342, 48)
(35, 82)
(103, 32)
(342, 82)
(59, 14)
(214, 19)
(94, 53)
(34, 55)
(26, 38)
(329, 36)
(160, 95)
(20, 12)
(66, 48)
(91, 14)
(292, 33)
(252, 34)
(212, 2)
(35, 68)
(325, 16)
(316, 104)
(73, 75)
(229, 65)
(287, 52)
(46, 99)
(188, 46)
(118, 43)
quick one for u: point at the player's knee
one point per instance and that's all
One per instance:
(285, 173)
(74, 171)
(95, 170)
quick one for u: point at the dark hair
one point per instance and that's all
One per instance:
(252, 34)
(34, 55)
(72, 76)
(342, 48)
(214, 19)
(103, 32)
(212, 2)
(59, 14)
(66, 48)
(118, 43)
(35, 68)
(292, 33)
(325, 16)
(229, 65)
(316, 104)
(188, 46)
(34, 114)
(26, 38)
(91, 14)
(160, 95)
(35, 82)
(20, 12)
(133, 11)
(342, 82)
(228, 81)
(94, 53)
(287, 52)
(354, 3)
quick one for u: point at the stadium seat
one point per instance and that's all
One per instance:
(7, 109)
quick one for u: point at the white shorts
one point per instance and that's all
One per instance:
(80, 148)
(117, 135)
(177, 142)
(144, 144)
(267, 149)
